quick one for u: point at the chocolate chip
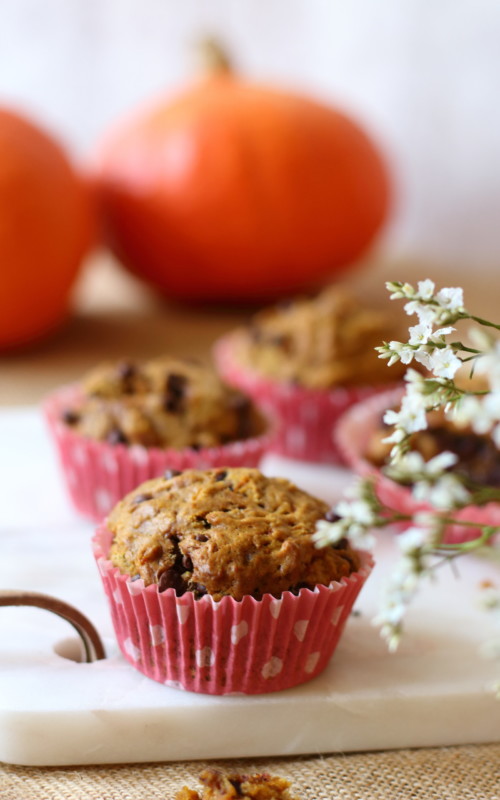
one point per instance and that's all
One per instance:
(70, 417)
(201, 537)
(331, 516)
(219, 476)
(198, 589)
(242, 405)
(126, 373)
(195, 447)
(170, 579)
(342, 544)
(206, 524)
(141, 498)
(175, 390)
(116, 436)
(187, 563)
(171, 473)
(237, 786)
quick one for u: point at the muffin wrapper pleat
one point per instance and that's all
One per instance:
(353, 434)
(306, 419)
(97, 474)
(226, 647)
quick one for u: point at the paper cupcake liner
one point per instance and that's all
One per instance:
(97, 474)
(354, 431)
(226, 647)
(306, 418)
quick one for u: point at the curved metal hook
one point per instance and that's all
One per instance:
(94, 649)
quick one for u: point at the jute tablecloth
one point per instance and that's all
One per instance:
(454, 773)
(117, 318)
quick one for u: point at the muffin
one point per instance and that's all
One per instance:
(360, 433)
(215, 584)
(306, 362)
(127, 422)
(217, 786)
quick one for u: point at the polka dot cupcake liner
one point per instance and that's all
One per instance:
(353, 433)
(306, 419)
(226, 647)
(98, 474)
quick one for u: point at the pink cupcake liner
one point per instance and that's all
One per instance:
(226, 647)
(97, 474)
(306, 418)
(353, 433)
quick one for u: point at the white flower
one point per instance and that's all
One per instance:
(410, 417)
(445, 493)
(420, 334)
(452, 299)
(444, 363)
(412, 539)
(426, 289)
(327, 533)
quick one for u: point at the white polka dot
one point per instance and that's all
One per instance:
(80, 455)
(157, 635)
(336, 615)
(109, 462)
(182, 613)
(272, 668)
(174, 685)
(295, 438)
(300, 628)
(311, 662)
(205, 657)
(135, 587)
(275, 607)
(131, 650)
(103, 500)
(117, 597)
(139, 454)
(239, 631)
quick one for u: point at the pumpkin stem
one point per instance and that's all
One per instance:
(213, 57)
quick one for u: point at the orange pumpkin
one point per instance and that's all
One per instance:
(46, 226)
(234, 191)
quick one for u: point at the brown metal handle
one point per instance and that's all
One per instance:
(94, 649)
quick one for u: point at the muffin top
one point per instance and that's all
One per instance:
(229, 531)
(163, 403)
(322, 342)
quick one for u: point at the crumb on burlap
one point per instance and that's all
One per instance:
(218, 786)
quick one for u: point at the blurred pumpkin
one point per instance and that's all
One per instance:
(46, 226)
(235, 191)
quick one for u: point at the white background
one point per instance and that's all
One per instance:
(423, 75)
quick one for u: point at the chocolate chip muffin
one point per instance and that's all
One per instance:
(217, 786)
(225, 532)
(478, 458)
(163, 403)
(319, 342)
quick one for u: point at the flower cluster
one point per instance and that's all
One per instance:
(423, 546)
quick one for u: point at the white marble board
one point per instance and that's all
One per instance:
(436, 690)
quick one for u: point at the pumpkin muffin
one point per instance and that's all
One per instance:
(215, 584)
(306, 362)
(127, 422)
(234, 786)
(225, 532)
(360, 434)
(163, 403)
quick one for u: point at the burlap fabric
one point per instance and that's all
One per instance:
(453, 773)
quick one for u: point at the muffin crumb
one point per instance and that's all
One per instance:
(234, 786)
